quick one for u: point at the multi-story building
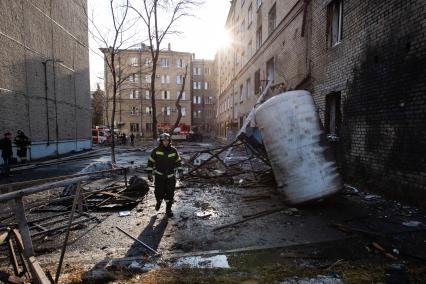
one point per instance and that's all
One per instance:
(368, 81)
(44, 81)
(203, 96)
(270, 42)
(133, 102)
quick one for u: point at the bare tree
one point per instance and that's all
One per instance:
(159, 18)
(178, 106)
(118, 39)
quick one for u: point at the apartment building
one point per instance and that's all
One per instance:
(203, 96)
(270, 42)
(368, 69)
(44, 81)
(133, 102)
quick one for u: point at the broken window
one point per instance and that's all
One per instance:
(332, 115)
(334, 22)
(257, 82)
(272, 19)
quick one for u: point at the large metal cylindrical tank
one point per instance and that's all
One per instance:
(290, 129)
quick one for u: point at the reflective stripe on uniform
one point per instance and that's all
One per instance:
(171, 155)
(158, 173)
(178, 159)
(149, 169)
(171, 175)
(159, 153)
(151, 159)
(179, 168)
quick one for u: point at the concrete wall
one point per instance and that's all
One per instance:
(33, 32)
(379, 69)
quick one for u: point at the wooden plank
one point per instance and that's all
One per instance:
(116, 195)
(37, 272)
(23, 227)
(12, 256)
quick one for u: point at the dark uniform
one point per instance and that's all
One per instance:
(6, 153)
(22, 142)
(162, 163)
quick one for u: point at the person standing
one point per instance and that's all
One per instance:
(132, 139)
(22, 143)
(163, 163)
(6, 153)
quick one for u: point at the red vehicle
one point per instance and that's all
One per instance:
(100, 136)
(182, 132)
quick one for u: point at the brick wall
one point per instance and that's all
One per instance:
(380, 70)
(33, 32)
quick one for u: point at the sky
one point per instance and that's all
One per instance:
(202, 34)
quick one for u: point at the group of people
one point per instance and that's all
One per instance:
(122, 137)
(22, 143)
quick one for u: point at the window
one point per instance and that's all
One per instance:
(183, 111)
(270, 68)
(257, 82)
(165, 79)
(249, 50)
(183, 96)
(259, 37)
(332, 114)
(197, 100)
(250, 15)
(207, 71)
(133, 61)
(179, 79)
(148, 78)
(147, 95)
(164, 62)
(180, 63)
(134, 111)
(272, 18)
(134, 94)
(165, 95)
(258, 3)
(196, 71)
(241, 93)
(206, 85)
(248, 88)
(148, 110)
(148, 126)
(134, 127)
(134, 78)
(196, 85)
(168, 111)
(334, 22)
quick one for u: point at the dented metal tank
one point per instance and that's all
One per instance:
(290, 129)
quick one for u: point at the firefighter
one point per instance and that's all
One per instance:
(22, 143)
(6, 153)
(163, 163)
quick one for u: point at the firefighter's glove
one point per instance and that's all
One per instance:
(150, 178)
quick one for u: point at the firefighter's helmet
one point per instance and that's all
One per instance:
(165, 136)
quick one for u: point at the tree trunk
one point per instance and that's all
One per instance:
(178, 106)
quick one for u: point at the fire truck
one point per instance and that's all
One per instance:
(182, 133)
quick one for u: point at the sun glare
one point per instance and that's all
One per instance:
(223, 39)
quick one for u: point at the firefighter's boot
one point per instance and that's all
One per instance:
(169, 212)
(158, 205)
